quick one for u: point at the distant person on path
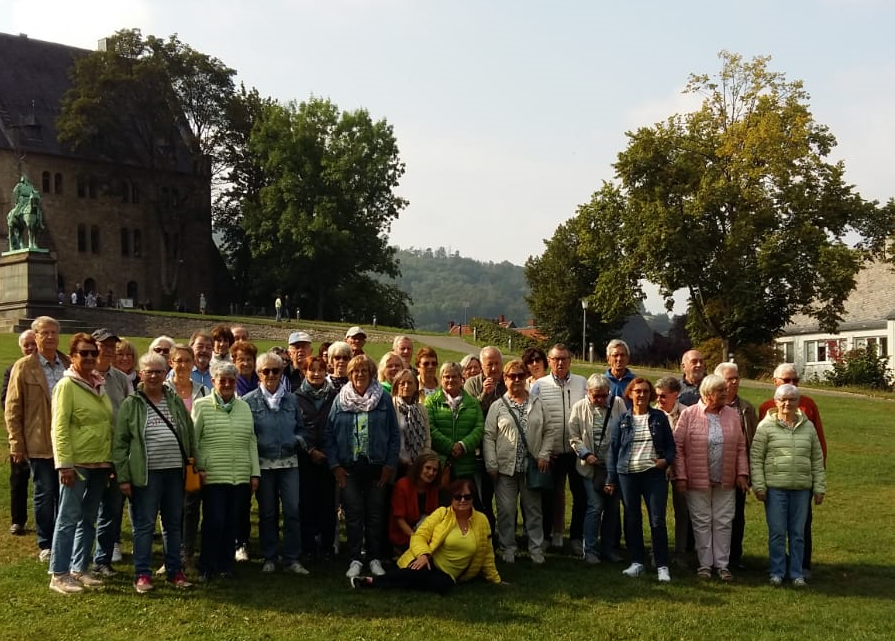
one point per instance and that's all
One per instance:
(203, 304)
(278, 306)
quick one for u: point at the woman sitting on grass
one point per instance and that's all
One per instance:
(453, 545)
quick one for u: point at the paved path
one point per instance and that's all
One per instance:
(451, 343)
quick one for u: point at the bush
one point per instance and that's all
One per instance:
(860, 368)
(490, 333)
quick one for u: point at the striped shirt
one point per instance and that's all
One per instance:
(643, 452)
(162, 450)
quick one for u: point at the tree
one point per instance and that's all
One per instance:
(157, 105)
(326, 204)
(736, 203)
(576, 265)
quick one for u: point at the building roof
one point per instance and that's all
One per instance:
(870, 304)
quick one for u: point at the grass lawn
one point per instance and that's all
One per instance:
(850, 595)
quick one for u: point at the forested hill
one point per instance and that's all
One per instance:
(441, 283)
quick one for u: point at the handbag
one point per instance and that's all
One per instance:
(535, 479)
(192, 482)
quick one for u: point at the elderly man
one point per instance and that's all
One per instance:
(28, 416)
(748, 422)
(240, 333)
(668, 390)
(356, 338)
(487, 387)
(559, 392)
(299, 350)
(693, 368)
(403, 347)
(118, 387)
(787, 373)
(19, 473)
(203, 346)
(618, 356)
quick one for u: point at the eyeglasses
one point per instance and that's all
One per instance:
(341, 358)
(462, 497)
(429, 363)
(516, 376)
(560, 359)
(637, 390)
(271, 371)
(87, 353)
(161, 350)
(601, 395)
(788, 400)
(152, 372)
(791, 381)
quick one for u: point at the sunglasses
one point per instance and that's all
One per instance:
(516, 376)
(462, 497)
(791, 381)
(271, 371)
(341, 358)
(161, 350)
(88, 353)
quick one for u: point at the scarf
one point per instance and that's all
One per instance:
(220, 402)
(273, 400)
(316, 394)
(353, 402)
(413, 427)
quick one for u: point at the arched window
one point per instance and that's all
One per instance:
(57, 183)
(82, 237)
(94, 239)
(125, 242)
(138, 243)
(89, 286)
(45, 182)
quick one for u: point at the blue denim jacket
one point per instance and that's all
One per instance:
(622, 436)
(280, 433)
(384, 435)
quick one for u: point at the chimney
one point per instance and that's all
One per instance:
(501, 319)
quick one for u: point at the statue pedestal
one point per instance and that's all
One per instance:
(28, 284)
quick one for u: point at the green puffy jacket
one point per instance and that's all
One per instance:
(787, 458)
(467, 426)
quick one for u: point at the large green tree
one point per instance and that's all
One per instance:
(737, 203)
(324, 210)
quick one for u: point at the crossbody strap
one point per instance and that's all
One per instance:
(168, 423)
(597, 446)
(518, 425)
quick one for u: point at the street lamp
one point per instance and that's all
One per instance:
(583, 329)
(465, 308)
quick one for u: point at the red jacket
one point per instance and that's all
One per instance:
(405, 504)
(691, 438)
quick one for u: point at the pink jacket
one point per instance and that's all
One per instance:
(691, 436)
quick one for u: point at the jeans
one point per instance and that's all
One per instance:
(507, 490)
(317, 507)
(19, 473)
(363, 501)
(553, 503)
(163, 493)
(46, 499)
(279, 487)
(652, 486)
(218, 528)
(108, 523)
(711, 513)
(75, 524)
(598, 517)
(786, 512)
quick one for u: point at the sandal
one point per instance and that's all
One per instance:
(704, 573)
(725, 575)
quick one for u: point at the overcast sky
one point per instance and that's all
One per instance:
(509, 114)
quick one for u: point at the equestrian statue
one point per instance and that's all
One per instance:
(25, 215)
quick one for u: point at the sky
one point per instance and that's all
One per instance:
(509, 114)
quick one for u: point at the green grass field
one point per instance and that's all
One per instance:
(850, 596)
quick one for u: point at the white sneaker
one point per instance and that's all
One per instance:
(376, 568)
(242, 554)
(354, 569)
(664, 574)
(44, 556)
(116, 553)
(508, 557)
(296, 568)
(269, 566)
(635, 569)
(556, 541)
(65, 584)
(538, 558)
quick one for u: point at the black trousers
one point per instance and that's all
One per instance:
(427, 580)
(19, 473)
(564, 467)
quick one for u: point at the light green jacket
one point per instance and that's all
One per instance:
(82, 424)
(226, 449)
(787, 458)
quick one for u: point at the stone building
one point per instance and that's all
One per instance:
(113, 228)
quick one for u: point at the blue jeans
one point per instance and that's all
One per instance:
(598, 517)
(652, 486)
(218, 528)
(76, 522)
(46, 499)
(108, 523)
(786, 512)
(364, 501)
(163, 493)
(280, 486)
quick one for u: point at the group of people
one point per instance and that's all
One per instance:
(416, 455)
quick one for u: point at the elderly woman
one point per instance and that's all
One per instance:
(641, 448)
(389, 365)
(451, 546)
(589, 436)
(339, 353)
(82, 448)
(787, 468)
(668, 388)
(414, 498)
(317, 489)
(362, 442)
(161, 345)
(243, 355)
(710, 464)
(227, 460)
(535, 363)
(126, 361)
(517, 428)
(221, 340)
(455, 422)
(181, 362)
(427, 369)
(152, 442)
(471, 365)
(413, 419)
(280, 432)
